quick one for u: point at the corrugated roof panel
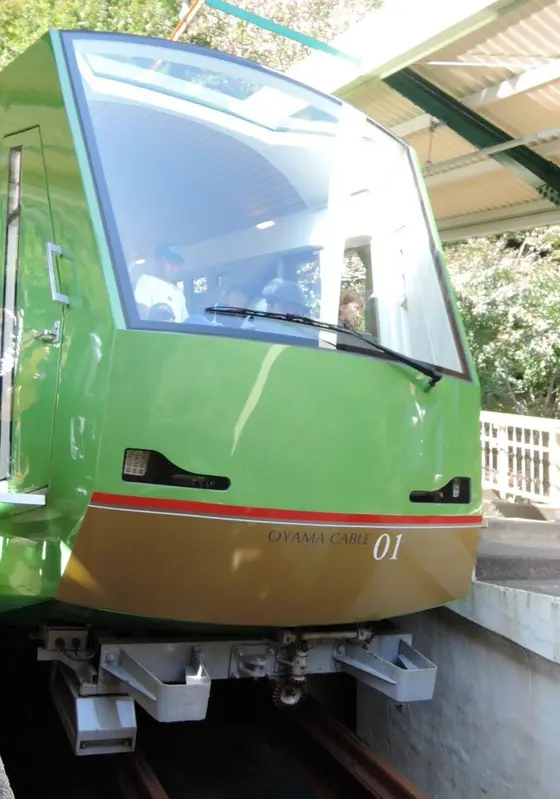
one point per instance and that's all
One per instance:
(381, 103)
(438, 146)
(480, 194)
(530, 34)
(523, 114)
(524, 38)
(520, 23)
(506, 212)
(462, 81)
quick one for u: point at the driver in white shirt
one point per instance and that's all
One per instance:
(158, 296)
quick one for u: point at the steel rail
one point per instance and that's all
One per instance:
(377, 776)
(136, 778)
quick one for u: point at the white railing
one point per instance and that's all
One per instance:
(521, 457)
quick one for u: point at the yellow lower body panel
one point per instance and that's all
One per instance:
(223, 571)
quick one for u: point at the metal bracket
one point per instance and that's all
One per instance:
(390, 665)
(95, 725)
(69, 639)
(169, 688)
(171, 679)
(550, 193)
(252, 661)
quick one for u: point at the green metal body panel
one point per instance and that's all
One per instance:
(318, 424)
(291, 427)
(63, 452)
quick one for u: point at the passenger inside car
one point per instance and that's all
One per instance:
(158, 296)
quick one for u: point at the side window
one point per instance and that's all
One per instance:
(8, 343)
(199, 294)
(307, 275)
(358, 303)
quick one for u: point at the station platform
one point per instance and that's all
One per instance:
(491, 727)
(521, 550)
(516, 584)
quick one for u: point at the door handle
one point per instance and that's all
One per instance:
(54, 249)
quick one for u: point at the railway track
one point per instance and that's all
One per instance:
(333, 761)
(377, 777)
(135, 778)
(300, 753)
(324, 758)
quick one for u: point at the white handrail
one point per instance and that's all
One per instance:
(521, 457)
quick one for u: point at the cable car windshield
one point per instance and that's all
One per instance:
(223, 183)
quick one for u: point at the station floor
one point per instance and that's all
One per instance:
(520, 553)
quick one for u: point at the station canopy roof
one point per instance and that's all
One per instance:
(474, 87)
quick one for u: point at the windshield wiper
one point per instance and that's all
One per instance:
(298, 319)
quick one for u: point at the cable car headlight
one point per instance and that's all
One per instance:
(151, 467)
(136, 462)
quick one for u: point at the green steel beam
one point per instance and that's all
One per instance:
(542, 174)
(281, 30)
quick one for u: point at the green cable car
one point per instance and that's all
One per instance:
(238, 411)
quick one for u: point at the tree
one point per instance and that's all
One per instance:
(508, 290)
(22, 22)
(322, 19)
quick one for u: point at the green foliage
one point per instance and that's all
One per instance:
(508, 289)
(24, 21)
(321, 19)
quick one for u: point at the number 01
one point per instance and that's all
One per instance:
(383, 545)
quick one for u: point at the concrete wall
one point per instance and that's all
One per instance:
(493, 727)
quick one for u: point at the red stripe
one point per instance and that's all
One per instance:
(210, 509)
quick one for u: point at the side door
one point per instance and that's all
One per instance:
(31, 324)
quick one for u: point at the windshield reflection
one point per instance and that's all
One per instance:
(231, 185)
